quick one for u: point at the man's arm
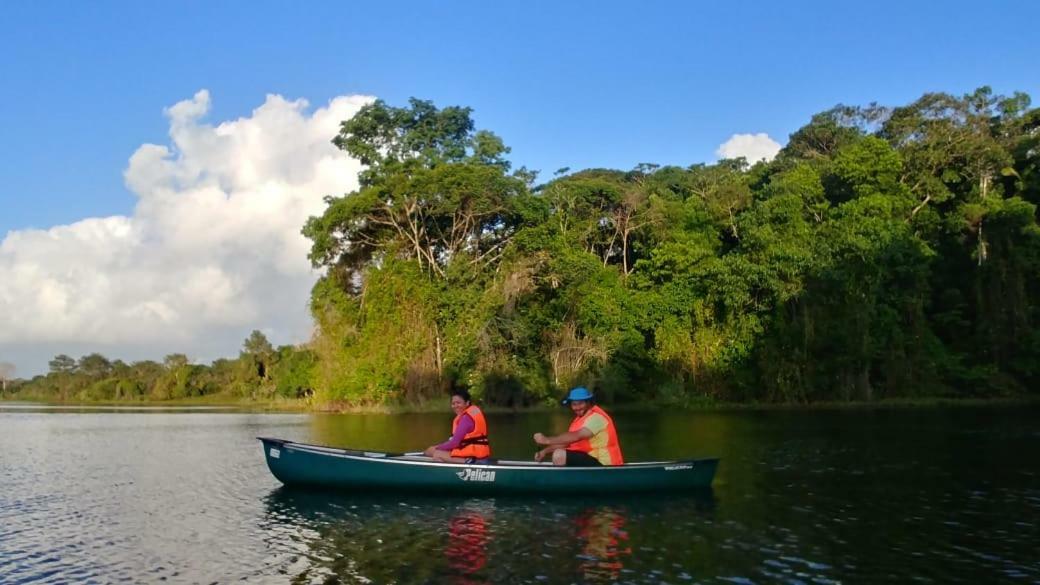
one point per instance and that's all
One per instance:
(543, 453)
(564, 439)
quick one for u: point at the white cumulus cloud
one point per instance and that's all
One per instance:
(753, 147)
(212, 250)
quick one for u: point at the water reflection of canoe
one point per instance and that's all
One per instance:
(413, 537)
(302, 464)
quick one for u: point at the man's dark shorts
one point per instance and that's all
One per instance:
(581, 459)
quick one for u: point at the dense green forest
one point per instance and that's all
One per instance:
(886, 252)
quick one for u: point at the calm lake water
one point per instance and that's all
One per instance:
(896, 496)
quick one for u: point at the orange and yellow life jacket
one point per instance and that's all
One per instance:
(612, 448)
(475, 443)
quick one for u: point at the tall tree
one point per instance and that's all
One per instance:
(62, 364)
(6, 372)
(435, 191)
(260, 353)
(95, 365)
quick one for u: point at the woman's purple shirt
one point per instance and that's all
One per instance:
(466, 426)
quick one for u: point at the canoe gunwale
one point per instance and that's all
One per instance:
(404, 459)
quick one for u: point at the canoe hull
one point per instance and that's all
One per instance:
(299, 464)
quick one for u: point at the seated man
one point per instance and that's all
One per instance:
(591, 439)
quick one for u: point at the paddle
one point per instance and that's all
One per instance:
(354, 452)
(380, 454)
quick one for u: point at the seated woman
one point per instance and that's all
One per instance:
(469, 438)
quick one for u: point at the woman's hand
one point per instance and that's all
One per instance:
(541, 439)
(429, 451)
(540, 454)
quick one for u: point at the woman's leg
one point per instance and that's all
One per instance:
(445, 457)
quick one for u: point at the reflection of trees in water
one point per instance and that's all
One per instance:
(331, 538)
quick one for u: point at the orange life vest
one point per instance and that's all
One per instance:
(585, 446)
(475, 443)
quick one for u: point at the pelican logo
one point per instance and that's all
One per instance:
(470, 474)
(677, 467)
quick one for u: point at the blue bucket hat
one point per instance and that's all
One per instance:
(579, 393)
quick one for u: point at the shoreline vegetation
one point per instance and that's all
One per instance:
(438, 407)
(886, 256)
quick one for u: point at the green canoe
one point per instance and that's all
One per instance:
(313, 465)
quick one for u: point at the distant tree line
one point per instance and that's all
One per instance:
(886, 252)
(260, 372)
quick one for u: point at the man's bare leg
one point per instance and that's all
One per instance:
(559, 457)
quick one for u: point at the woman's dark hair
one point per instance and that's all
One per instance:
(463, 394)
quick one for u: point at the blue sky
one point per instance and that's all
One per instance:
(575, 84)
(565, 83)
